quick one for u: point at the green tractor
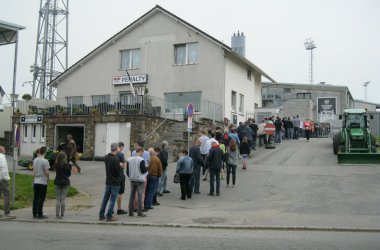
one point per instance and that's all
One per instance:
(354, 143)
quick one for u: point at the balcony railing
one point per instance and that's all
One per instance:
(142, 104)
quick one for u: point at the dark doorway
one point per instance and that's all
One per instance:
(77, 131)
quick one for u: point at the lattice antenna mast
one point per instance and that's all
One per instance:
(365, 84)
(51, 56)
(309, 45)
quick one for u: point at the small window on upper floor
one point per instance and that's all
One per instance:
(130, 59)
(186, 53)
(249, 74)
(304, 95)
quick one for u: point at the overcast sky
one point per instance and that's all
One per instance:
(346, 33)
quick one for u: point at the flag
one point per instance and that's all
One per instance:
(2, 93)
(130, 82)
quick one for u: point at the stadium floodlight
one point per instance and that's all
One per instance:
(309, 45)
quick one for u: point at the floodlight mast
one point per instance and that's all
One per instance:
(365, 84)
(309, 45)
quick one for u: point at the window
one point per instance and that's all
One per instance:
(34, 132)
(186, 53)
(25, 128)
(303, 95)
(130, 59)
(96, 99)
(241, 104)
(178, 101)
(233, 100)
(42, 132)
(74, 100)
(249, 74)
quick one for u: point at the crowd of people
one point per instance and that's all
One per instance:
(214, 155)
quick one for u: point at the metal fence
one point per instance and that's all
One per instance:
(141, 104)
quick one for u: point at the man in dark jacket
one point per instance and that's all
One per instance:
(215, 158)
(254, 128)
(113, 179)
(163, 156)
(195, 154)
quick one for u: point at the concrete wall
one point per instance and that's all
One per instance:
(141, 126)
(304, 108)
(5, 120)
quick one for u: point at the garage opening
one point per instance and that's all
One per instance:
(76, 130)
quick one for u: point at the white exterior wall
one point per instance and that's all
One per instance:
(236, 80)
(5, 120)
(156, 38)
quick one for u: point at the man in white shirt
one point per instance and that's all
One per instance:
(4, 183)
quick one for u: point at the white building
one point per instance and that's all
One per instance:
(177, 62)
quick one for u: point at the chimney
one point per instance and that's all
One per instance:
(238, 43)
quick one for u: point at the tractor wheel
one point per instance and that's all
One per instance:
(336, 142)
(373, 149)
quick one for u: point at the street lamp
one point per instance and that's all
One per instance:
(309, 45)
(365, 89)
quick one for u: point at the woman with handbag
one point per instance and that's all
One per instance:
(185, 171)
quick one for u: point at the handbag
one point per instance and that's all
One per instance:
(176, 178)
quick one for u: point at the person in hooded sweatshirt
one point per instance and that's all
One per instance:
(215, 158)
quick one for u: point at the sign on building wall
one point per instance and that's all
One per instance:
(326, 107)
(121, 80)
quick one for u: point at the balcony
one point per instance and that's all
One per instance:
(115, 105)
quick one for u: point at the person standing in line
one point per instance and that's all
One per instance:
(208, 147)
(218, 133)
(113, 179)
(185, 170)
(41, 177)
(155, 202)
(146, 156)
(245, 151)
(121, 157)
(163, 156)
(136, 172)
(234, 136)
(4, 184)
(232, 162)
(223, 148)
(62, 184)
(247, 132)
(71, 152)
(296, 127)
(203, 139)
(308, 128)
(261, 133)
(278, 126)
(290, 128)
(215, 158)
(154, 173)
(195, 154)
(254, 128)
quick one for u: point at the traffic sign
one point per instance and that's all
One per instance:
(190, 110)
(189, 124)
(269, 129)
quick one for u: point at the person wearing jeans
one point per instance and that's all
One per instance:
(232, 162)
(113, 179)
(163, 156)
(136, 172)
(185, 171)
(215, 159)
(41, 177)
(62, 183)
(196, 156)
(154, 173)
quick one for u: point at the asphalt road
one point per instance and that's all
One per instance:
(37, 236)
